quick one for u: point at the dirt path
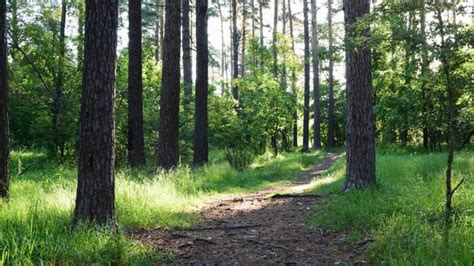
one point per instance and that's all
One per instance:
(257, 228)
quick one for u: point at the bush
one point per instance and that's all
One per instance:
(239, 158)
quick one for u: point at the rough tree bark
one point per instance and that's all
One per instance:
(306, 78)
(95, 201)
(201, 146)
(360, 165)
(168, 128)
(4, 125)
(331, 126)
(187, 58)
(315, 54)
(136, 142)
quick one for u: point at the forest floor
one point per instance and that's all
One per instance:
(264, 227)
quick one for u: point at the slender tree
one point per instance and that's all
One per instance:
(244, 38)
(4, 125)
(57, 107)
(235, 49)
(201, 147)
(306, 78)
(168, 128)
(260, 13)
(331, 125)
(315, 54)
(136, 142)
(187, 58)
(80, 34)
(254, 52)
(360, 162)
(95, 201)
(223, 48)
(274, 40)
(293, 79)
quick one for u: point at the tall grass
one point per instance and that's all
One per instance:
(404, 214)
(34, 224)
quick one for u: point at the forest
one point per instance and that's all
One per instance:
(248, 132)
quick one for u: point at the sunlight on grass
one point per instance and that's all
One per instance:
(34, 224)
(405, 212)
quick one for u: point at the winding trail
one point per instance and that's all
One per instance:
(263, 227)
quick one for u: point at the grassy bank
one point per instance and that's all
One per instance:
(34, 224)
(404, 214)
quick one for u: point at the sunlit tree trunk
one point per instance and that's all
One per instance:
(360, 150)
(95, 201)
(4, 124)
(136, 142)
(201, 146)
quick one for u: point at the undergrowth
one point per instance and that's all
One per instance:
(34, 224)
(404, 213)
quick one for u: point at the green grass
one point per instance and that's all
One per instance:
(404, 214)
(34, 224)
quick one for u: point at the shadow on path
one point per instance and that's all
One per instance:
(257, 228)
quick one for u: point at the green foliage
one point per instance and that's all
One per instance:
(239, 158)
(404, 214)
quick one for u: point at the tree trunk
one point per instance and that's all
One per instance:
(452, 119)
(331, 125)
(244, 38)
(57, 107)
(80, 33)
(260, 12)
(201, 146)
(187, 60)
(223, 53)
(4, 124)
(306, 78)
(424, 76)
(235, 49)
(315, 53)
(168, 129)
(274, 40)
(136, 142)
(95, 201)
(360, 165)
(254, 55)
(293, 80)
(284, 82)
